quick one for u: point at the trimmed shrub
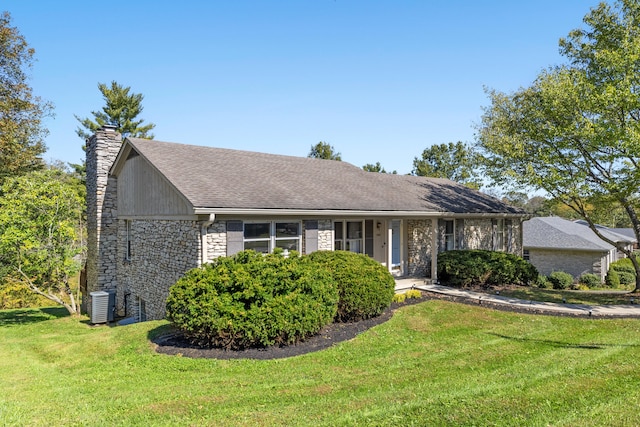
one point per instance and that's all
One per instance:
(413, 293)
(560, 280)
(251, 300)
(399, 298)
(612, 279)
(590, 280)
(627, 278)
(464, 268)
(365, 287)
(543, 283)
(625, 270)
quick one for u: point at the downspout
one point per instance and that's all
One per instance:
(204, 225)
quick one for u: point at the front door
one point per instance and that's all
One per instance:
(395, 228)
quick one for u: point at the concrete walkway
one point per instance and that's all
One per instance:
(519, 305)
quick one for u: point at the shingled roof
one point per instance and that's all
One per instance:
(560, 233)
(212, 178)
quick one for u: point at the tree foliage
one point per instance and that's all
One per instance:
(575, 132)
(323, 150)
(455, 161)
(40, 222)
(22, 132)
(369, 167)
(121, 110)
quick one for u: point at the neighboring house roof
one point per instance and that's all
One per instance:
(214, 178)
(560, 233)
(627, 232)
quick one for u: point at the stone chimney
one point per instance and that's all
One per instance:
(102, 222)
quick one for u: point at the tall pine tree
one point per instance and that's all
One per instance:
(121, 110)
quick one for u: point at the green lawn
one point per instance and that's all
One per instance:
(434, 363)
(600, 297)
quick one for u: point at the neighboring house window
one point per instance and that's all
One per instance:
(449, 235)
(128, 251)
(349, 236)
(265, 236)
(525, 254)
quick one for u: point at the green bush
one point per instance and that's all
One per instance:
(543, 283)
(365, 287)
(464, 268)
(590, 280)
(560, 280)
(626, 271)
(399, 298)
(413, 293)
(612, 279)
(251, 300)
(626, 278)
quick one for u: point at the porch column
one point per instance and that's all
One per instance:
(389, 247)
(434, 249)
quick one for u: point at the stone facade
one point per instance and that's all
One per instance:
(325, 235)
(478, 233)
(575, 263)
(216, 240)
(419, 247)
(102, 149)
(161, 252)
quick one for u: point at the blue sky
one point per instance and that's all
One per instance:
(378, 80)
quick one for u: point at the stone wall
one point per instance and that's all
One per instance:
(216, 240)
(102, 149)
(575, 263)
(478, 233)
(161, 252)
(419, 247)
(325, 235)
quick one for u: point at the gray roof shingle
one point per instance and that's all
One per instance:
(560, 233)
(223, 178)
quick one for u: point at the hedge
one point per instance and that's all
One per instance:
(463, 268)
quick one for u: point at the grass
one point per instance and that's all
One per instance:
(599, 297)
(434, 363)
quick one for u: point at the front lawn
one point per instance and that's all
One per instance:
(433, 363)
(600, 297)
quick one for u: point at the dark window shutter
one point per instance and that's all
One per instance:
(368, 237)
(310, 236)
(235, 237)
(460, 234)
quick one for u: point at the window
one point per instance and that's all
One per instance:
(265, 236)
(348, 236)
(128, 252)
(525, 255)
(449, 235)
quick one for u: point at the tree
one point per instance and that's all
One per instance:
(455, 161)
(575, 132)
(121, 110)
(376, 168)
(22, 132)
(323, 150)
(40, 226)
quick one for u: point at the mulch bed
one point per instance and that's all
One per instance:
(175, 344)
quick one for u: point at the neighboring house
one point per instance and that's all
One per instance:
(557, 244)
(157, 209)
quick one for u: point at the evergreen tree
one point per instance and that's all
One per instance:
(121, 110)
(323, 150)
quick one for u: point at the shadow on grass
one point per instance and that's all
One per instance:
(31, 315)
(561, 344)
